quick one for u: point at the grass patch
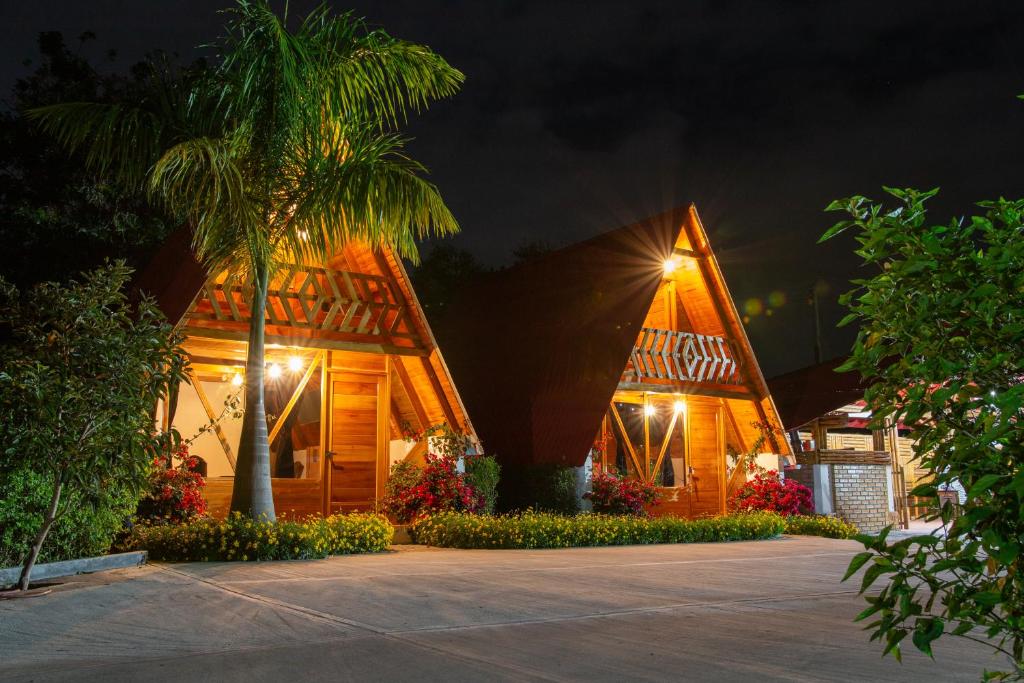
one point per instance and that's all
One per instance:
(243, 539)
(546, 530)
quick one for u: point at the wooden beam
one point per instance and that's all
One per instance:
(279, 423)
(689, 389)
(416, 453)
(625, 438)
(442, 397)
(410, 390)
(664, 444)
(307, 342)
(383, 442)
(212, 416)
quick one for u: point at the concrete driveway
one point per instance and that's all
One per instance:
(758, 611)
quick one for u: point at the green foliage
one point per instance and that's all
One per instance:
(80, 373)
(85, 530)
(63, 217)
(546, 530)
(551, 488)
(820, 525)
(284, 149)
(483, 473)
(940, 343)
(243, 539)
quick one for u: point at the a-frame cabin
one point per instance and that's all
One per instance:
(352, 370)
(626, 348)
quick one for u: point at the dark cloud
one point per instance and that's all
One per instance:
(577, 117)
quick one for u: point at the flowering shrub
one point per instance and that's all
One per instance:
(767, 492)
(411, 492)
(240, 538)
(621, 495)
(545, 530)
(820, 525)
(175, 493)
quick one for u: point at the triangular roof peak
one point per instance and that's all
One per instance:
(561, 330)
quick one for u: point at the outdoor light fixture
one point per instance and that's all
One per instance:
(236, 380)
(295, 363)
(679, 407)
(649, 410)
(274, 371)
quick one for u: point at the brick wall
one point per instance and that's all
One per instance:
(861, 495)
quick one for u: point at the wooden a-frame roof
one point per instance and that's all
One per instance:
(181, 288)
(538, 350)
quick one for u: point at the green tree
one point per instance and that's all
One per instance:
(80, 374)
(282, 149)
(66, 218)
(941, 343)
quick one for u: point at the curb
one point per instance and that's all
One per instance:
(86, 565)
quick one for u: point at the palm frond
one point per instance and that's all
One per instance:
(364, 189)
(116, 139)
(369, 73)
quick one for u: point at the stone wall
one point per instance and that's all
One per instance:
(862, 495)
(856, 493)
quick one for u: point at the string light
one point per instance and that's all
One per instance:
(295, 363)
(236, 380)
(679, 406)
(671, 265)
(274, 371)
(650, 410)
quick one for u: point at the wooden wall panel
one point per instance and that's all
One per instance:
(293, 498)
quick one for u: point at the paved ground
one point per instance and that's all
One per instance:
(761, 611)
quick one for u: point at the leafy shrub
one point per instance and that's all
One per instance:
(87, 528)
(820, 525)
(767, 492)
(551, 488)
(436, 487)
(240, 538)
(949, 365)
(545, 530)
(621, 495)
(482, 473)
(175, 493)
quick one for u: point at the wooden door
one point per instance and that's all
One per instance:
(356, 445)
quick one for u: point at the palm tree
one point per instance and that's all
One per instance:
(284, 148)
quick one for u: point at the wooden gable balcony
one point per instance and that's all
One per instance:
(670, 356)
(311, 306)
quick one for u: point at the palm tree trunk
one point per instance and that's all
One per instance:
(37, 544)
(252, 494)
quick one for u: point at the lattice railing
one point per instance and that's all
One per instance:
(320, 300)
(683, 357)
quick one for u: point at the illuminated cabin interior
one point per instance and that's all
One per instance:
(352, 368)
(626, 350)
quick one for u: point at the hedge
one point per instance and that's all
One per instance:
(546, 530)
(820, 525)
(241, 538)
(83, 531)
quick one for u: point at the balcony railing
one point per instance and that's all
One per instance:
(683, 357)
(317, 302)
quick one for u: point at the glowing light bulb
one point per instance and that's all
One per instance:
(679, 407)
(237, 380)
(274, 371)
(295, 363)
(649, 410)
(671, 265)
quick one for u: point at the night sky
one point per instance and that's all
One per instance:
(580, 117)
